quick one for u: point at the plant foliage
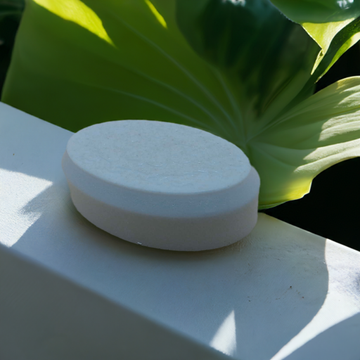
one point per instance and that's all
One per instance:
(10, 15)
(237, 68)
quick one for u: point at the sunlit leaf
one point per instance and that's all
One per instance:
(333, 24)
(67, 74)
(314, 135)
(77, 12)
(238, 69)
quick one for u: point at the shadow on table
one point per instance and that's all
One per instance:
(247, 300)
(339, 341)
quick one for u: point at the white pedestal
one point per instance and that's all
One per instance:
(69, 290)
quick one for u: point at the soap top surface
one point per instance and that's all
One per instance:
(156, 156)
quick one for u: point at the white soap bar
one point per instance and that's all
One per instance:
(162, 185)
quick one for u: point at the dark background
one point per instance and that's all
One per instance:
(331, 209)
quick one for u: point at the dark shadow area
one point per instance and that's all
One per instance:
(338, 342)
(348, 65)
(44, 316)
(331, 209)
(10, 15)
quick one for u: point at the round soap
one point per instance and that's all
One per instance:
(162, 185)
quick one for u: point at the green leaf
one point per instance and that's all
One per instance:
(90, 61)
(263, 57)
(10, 11)
(333, 24)
(342, 41)
(129, 65)
(319, 11)
(314, 135)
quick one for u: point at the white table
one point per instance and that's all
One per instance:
(71, 291)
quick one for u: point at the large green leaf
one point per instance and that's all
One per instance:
(333, 24)
(319, 132)
(77, 63)
(81, 62)
(263, 57)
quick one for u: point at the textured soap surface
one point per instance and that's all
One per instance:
(162, 185)
(157, 156)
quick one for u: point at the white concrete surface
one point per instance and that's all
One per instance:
(280, 293)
